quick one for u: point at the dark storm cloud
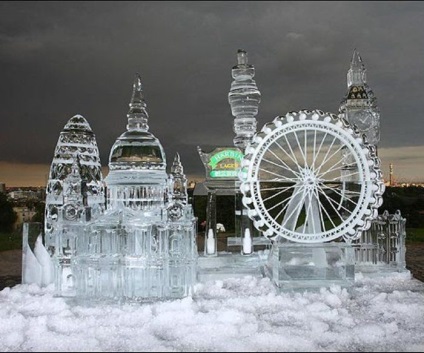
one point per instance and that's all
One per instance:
(59, 59)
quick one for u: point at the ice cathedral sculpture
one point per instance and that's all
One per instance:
(74, 196)
(143, 247)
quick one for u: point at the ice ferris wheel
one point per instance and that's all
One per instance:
(310, 177)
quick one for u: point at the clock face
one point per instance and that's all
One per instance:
(362, 119)
(70, 212)
(175, 211)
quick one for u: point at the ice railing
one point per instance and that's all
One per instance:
(383, 243)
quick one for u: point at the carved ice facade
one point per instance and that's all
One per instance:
(74, 196)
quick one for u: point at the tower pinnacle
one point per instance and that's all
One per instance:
(244, 98)
(137, 115)
(357, 72)
(359, 106)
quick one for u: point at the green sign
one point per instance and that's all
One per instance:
(223, 173)
(230, 154)
(225, 163)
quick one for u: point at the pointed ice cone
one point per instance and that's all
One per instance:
(210, 242)
(31, 268)
(247, 242)
(45, 261)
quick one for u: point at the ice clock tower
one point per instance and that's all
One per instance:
(359, 106)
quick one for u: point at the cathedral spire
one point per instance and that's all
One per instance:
(137, 115)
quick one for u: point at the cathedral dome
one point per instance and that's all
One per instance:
(137, 149)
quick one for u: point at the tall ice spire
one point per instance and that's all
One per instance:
(244, 98)
(357, 72)
(137, 115)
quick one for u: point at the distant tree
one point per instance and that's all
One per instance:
(39, 212)
(7, 215)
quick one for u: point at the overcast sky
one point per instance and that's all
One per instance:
(58, 59)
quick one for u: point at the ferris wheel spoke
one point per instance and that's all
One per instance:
(289, 198)
(339, 193)
(287, 154)
(295, 212)
(280, 166)
(305, 144)
(277, 188)
(334, 168)
(332, 155)
(332, 202)
(319, 150)
(308, 210)
(313, 149)
(325, 211)
(324, 160)
(282, 162)
(343, 176)
(278, 193)
(293, 157)
(295, 193)
(321, 217)
(300, 148)
(278, 175)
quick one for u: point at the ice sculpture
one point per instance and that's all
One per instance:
(43, 257)
(359, 106)
(295, 190)
(143, 247)
(382, 247)
(75, 195)
(244, 98)
(37, 266)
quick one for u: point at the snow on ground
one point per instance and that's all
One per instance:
(246, 314)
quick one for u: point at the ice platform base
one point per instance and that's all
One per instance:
(230, 265)
(295, 266)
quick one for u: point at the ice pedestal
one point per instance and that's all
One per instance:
(293, 266)
(230, 265)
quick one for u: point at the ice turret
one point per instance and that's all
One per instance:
(359, 106)
(179, 181)
(244, 98)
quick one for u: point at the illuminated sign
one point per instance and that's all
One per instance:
(222, 163)
(225, 163)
